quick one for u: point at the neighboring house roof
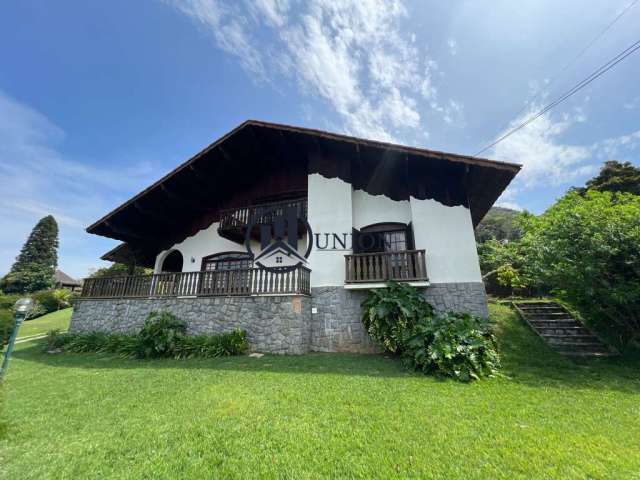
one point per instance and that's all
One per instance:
(64, 279)
(190, 197)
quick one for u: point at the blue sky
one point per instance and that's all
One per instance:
(98, 99)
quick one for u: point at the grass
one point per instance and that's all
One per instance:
(51, 321)
(320, 416)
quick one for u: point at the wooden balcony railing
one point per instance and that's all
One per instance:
(407, 265)
(243, 282)
(263, 213)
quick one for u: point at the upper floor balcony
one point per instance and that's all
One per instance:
(234, 221)
(380, 267)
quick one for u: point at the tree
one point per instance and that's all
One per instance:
(119, 269)
(503, 266)
(35, 265)
(616, 177)
(587, 247)
(499, 223)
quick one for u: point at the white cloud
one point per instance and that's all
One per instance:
(38, 180)
(229, 28)
(539, 147)
(353, 54)
(632, 104)
(453, 46)
(510, 205)
(548, 160)
(612, 148)
(274, 11)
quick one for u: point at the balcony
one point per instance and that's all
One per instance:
(213, 283)
(234, 221)
(380, 267)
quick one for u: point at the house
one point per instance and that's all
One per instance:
(62, 280)
(281, 231)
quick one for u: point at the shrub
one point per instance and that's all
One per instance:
(56, 340)
(390, 314)
(37, 310)
(454, 344)
(587, 247)
(47, 299)
(63, 298)
(458, 345)
(7, 323)
(159, 334)
(7, 302)
(233, 343)
(226, 344)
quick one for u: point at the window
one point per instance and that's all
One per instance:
(227, 261)
(383, 237)
(228, 272)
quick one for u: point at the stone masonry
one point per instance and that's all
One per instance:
(277, 324)
(274, 324)
(337, 324)
(458, 297)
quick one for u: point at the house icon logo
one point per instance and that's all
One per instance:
(276, 236)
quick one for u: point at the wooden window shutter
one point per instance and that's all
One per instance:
(355, 243)
(411, 243)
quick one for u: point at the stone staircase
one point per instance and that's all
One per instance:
(560, 330)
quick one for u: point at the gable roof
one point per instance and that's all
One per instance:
(189, 198)
(64, 279)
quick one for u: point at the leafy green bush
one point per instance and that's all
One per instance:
(7, 302)
(458, 345)
(37, 310)
(233, 343)
(158, 335)
(454, 344)
(163, 335)
(7, 323)
(587, 247)
(46, 300)
(390, 314)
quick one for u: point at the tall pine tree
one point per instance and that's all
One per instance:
(34, 268)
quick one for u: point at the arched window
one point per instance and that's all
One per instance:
(383, 237)
(172, 263)
(227, 261)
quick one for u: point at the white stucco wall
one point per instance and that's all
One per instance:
(369, 209)
(329, 211)
(207, 242)
(446, 233)
(203, 243)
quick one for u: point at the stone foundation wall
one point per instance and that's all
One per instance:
(274, 324)
(337, 326)
(458, 297)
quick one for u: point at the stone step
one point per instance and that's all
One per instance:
(557, 327)
(542, 308)
(579, 347)
(549, 315)
(585, 354)
(568, 330)
(532, 312)
(573, 339)
(538, 304)
(545, 323)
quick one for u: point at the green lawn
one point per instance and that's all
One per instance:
(319, 416)
(52, 321)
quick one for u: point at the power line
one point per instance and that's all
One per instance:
(573, 60)
(597, 73)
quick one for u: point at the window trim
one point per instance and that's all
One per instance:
(386, 227)
(239, 255)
